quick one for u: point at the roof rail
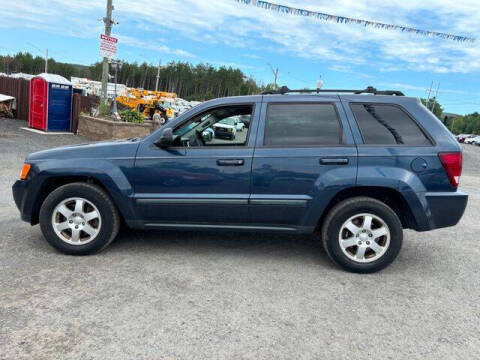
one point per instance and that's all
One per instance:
(369, 90)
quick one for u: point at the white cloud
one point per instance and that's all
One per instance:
(425, 89)
(152, 45)
(254, 30)
(233, 24)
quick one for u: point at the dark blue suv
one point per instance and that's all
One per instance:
(354, 167)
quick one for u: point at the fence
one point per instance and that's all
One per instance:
(82, 104)
(20, 90)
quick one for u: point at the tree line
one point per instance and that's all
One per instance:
(467, 124)
(191, 82)
(27, 63)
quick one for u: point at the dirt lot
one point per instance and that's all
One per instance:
(177, 295)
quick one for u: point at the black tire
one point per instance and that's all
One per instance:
(345, 210)
(97, 196)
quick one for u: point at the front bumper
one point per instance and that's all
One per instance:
(19, 190)
(446, 208)
(223, 133)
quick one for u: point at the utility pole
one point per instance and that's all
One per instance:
(435, 98)
(453, 123)
(158, 74)
(108, 31)
(118, 65)
(429, 93)
(144, 75)
(46, 61)
(41, 52)
(275, 76)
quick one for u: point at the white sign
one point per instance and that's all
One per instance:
(108, 46)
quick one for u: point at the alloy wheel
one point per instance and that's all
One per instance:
(76, 221)
(364, 238)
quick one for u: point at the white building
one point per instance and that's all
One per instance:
(91, 87)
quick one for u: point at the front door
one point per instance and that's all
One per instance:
(304, 155)
(38, 104)
(205, 178)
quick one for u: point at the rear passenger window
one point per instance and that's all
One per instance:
(387, 125)
(302, 125)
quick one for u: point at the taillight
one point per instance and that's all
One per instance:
(452, 163)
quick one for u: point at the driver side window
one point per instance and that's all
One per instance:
(222, 126)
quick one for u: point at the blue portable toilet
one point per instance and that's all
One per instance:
(50, 103)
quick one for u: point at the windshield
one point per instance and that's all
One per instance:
(228, 121)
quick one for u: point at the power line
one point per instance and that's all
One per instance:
(289, 74)
(45, 54)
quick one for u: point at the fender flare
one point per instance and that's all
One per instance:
(105, 172)
(406, 183)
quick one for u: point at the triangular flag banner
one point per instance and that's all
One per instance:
(346, 20)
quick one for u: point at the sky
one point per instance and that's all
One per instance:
(225, 32)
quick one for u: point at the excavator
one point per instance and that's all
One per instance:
(146, 102)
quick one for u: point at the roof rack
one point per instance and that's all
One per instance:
(369, 90)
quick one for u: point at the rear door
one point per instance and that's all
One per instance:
(304, 155)
(394, 148)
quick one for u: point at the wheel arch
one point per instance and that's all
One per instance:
(389, 196)
(52, 173)
(54, 182)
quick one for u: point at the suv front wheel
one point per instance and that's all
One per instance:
(362, 235)
(79, 219)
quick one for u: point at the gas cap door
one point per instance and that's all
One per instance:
(419, 165)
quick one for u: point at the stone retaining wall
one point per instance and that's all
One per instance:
(102, 129)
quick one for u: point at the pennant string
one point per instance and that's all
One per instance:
(346, 20)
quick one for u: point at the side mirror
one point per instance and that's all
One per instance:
(166, 139)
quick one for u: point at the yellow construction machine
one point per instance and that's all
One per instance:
(147, 102)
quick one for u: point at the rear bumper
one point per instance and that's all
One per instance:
(445, 208)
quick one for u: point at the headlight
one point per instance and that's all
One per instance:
(230, 130)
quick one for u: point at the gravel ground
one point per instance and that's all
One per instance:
(173, 295)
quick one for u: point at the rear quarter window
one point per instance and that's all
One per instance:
(302, 125)
(383, 124)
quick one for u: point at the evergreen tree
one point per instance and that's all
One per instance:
(191, 82)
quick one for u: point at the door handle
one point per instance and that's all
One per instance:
(334, 161)
(230, 162)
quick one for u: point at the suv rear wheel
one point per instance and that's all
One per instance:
(79, 219)
(362, 235)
